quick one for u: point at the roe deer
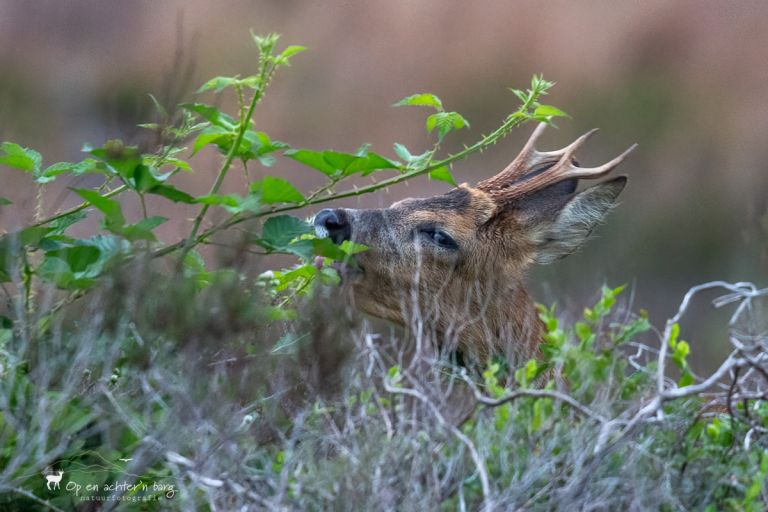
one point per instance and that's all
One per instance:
(55, 480)
(458, 260)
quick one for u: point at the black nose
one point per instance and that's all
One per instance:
(336, 223)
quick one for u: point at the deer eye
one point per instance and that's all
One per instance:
(439, 237)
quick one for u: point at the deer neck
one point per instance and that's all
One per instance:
(502, 322)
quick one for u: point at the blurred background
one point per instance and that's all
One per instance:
(684, 79)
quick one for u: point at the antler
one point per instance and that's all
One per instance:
(511, 182)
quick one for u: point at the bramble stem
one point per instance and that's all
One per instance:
(77, 208)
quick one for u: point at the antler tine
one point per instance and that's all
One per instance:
(513, 181)
(519, 167)
(565, 169)
(601, 170)
(571, 148)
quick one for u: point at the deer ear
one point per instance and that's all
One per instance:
(575, 221)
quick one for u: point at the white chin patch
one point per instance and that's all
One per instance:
(321, 232)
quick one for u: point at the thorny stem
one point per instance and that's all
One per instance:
(244, 122)
(266, 69)
(78, 208)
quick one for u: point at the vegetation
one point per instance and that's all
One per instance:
(155, 379)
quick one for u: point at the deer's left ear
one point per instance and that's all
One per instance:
(575, 221)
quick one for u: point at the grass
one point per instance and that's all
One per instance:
(189, 386)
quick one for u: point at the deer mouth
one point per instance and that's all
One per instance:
(347, 270)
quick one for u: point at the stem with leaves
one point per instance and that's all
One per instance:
(267, 67)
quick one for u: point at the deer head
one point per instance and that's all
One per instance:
(457, 261)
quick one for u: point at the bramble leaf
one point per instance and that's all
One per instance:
(271, 190)
(15, 156)
(221, 137)
(284, 58)
(280, 230)
(122, 159)
(113, 212)
(258, 145)
(233, 203)
(421, 100)
(446, 122)
(336, 165)
(217, 84)
(548, 111)
(212, 114)
(172, 193)
(89, 165)
(443, 174)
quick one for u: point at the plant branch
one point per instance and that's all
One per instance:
(532, 393)
(77, 208)
(190, 241)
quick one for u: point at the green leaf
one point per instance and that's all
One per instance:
(258, 145)
(142, 230)
(218, 84)
(78, 258)
(686, 379)
(78, 266)
(177, 162)
(335, 164)
(414, 162)
(56, 271)
(326, 248)
(442, 174)
(402, 152)
(674, 332)
(113, 213)
(114, 220)
(278, 231)
(351, 248)
(273, 190)
(4, 201)
(583, 331)
(297, 276)
(212, 114)
(12, 244)
(232, 200)
(233, 203)
(313, 159)
(143, 180)
(284, 58)
(421, 100)
(89, 165)
(172, 193)
(549, 111)
(221, 137)
(194, 268)
(521, 95)
(18, 157)
(446, 122)
(122, 159)
(683, 349)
